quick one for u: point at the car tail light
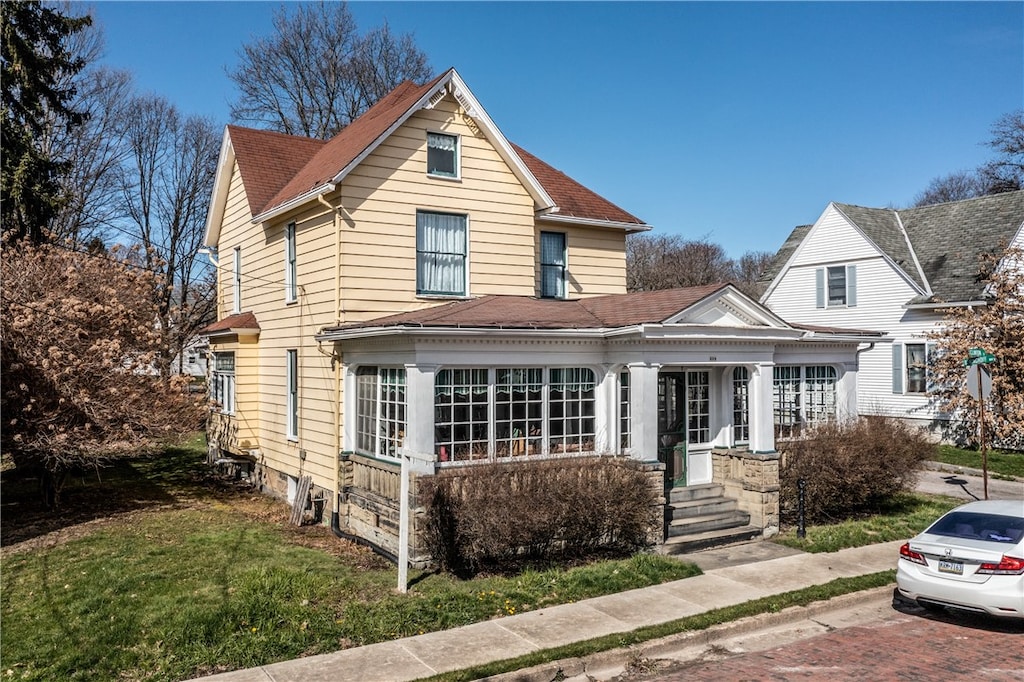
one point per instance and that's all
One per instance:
(911, 555)
(1008, 565)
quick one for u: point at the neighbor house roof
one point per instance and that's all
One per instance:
(938, 247)
(281, 170)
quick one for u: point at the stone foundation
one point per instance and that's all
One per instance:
(752, 479)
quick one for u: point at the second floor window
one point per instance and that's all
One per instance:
(290, 271)
(552, 265)
(442, 155)
(836, 286)
(440, 254)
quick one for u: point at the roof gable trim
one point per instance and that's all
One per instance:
(219, 195)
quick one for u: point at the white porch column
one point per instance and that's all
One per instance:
(419, 415)
(846, 391)
(762, 427)
(643, 411)
(606, 423)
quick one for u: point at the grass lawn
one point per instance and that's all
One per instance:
(903, 517)
(1000, 462)
(158, 572)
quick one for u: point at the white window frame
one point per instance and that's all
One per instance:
(625, 432)
(901, 367)
(558, 414)
(380, 411)
(423, 255)
(823, 278)
(805, 396)
(222, 381)
(236, 288)
(740, 406)
(292, 399)
(456, 173)
(291, 289)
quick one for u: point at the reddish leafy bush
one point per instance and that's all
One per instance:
(850, 467)
(492, 514)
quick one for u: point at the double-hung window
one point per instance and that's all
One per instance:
(442, 155)
(290, 271)
(222, 382)
(441, 254)
(836, 286)
(910, 367)
(552, 264)
(292, 400)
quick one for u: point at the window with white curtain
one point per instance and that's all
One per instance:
(552, 265)
(442, 155)
(441, 249)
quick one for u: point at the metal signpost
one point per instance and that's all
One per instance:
(979, 385)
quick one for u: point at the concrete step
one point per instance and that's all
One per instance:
(695, 492)
(685, 544)
(708, 522)
(701, 507)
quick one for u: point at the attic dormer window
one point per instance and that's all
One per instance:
(442, 155)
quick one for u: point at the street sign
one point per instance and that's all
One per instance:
(975, 352)
(982, 358)
(976, 383)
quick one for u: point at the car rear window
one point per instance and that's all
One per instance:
(991, 527)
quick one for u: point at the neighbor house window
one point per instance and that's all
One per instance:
(803, 396)
(237, 282)
(292, 399)
(222, 382)
(441, 247)
(910, 367)
(740, 405)
(552, 265)
(380, 410)
(483, 414)
(836, 286)
(290, 271)
(442, 155)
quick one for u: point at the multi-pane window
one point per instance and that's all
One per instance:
(571, 409)
(237, 280)
(510, 412)
(624, 431)
(441, 249)
(222, 382)
(380, 410)
(698, 407)
(552, 264)
(518, 411)
(803, 396)
(836, 286)
(292, 399)
(442, 155)
(740, 405)
(290, 271)
(461, 408)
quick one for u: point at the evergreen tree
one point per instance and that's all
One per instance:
(34, 56)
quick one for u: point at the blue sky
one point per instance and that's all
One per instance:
(727, 120)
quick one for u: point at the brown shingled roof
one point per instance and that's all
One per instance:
(278, 168)
(572, 198)
(246, 320)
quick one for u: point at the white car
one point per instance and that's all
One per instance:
(971, 559)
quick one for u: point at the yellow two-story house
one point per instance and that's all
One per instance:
(420, 289)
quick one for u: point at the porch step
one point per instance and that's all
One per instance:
(707, 522)
(705, 506)
(685, 544)
(695, 492)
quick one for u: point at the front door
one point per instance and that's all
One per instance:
(683, 420)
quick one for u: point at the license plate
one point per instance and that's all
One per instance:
(955, 567)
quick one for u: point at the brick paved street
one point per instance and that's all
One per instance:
(903, 646)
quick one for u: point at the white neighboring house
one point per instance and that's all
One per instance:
(892, 271)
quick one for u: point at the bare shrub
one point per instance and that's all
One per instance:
(850, 467)
(494, 514)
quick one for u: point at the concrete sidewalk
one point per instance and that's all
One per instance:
(733, 575)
